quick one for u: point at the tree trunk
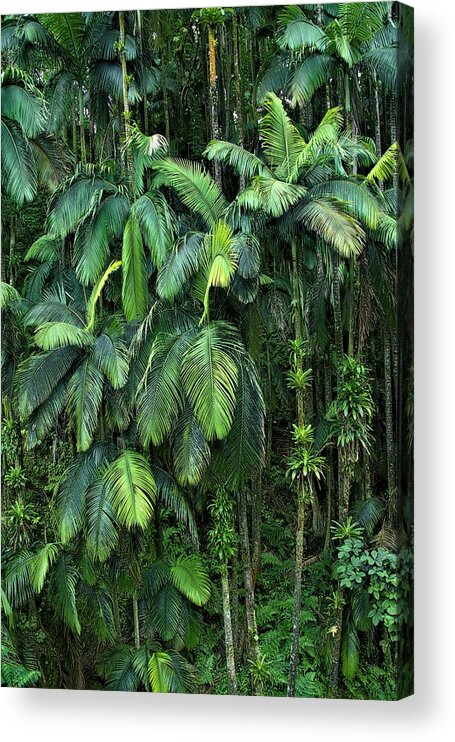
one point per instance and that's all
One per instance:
(126, 105)
(228, 637)
(238, 88)
(137, 638)
(214, 121)
(236, 638)
(252, 631)
(297, 593)
(390, 437)
(81, 125)
(298, 333)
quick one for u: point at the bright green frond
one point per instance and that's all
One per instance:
(195, 187)
(282, 142)
(190, 577)
(131, 488)
(52, 335)
(40, 565)
(324, 216)
(134, 287)
(296, 32)
(191, 452)
(244, 163)
(209, 374)
(157, 224)
(160, 397)
(85, 391)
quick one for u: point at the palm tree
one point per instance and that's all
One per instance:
(359, 37)
(293, 180)
(30, 157)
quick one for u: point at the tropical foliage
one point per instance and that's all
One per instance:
(206, 363)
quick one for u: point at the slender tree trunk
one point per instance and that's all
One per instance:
(238, 88)
(137, 638)
(228, 636)
(297, 592)
(141, 55)
(377, 111)
(390, 437)
(167, 121)
(81, 125)
(214, 120)
(252, 631)
(329, 457)
(337, 317)
(126, 105)
(299, 539)
(256, 527)
(234, 593)
(12, 248)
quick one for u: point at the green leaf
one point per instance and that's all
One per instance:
(244, 163)
(52, 335)
(134, 288)
(160, 396)
(131, 488)
(196, 188)
(156, 222)
(40, 564)
(72, 490)
(64, 592)
(189, 576)
(191, 452)
(18, 167)
(85, 391)
(209, 374)
(160, 672)
(102, 533)
(282, 141)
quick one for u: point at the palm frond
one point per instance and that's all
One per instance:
(95, 234)
(64, 592)
(282, 141)
(19, 104)
(85, 391)
(324, 216)
(160, 396)
(244, 447)
(102, 533)
(96, 293)
(71, 491)
(18, 167)
(195, 187)
(131, 488)
(160, 672)
(209, 374)
(309, 76)
(52, 335)
(134, 287)
(296, 32)
(39, 375)
(44, 249)
(191, 453)
(357, 198)
(71, 205)
(157, 224)
(181, 264)
(190, 577)
(244, 163)
(40, 565)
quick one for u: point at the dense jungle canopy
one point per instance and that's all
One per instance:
(207, 350)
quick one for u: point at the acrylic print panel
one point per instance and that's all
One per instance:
(207, 350)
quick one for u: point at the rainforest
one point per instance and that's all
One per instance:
(207, 406)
